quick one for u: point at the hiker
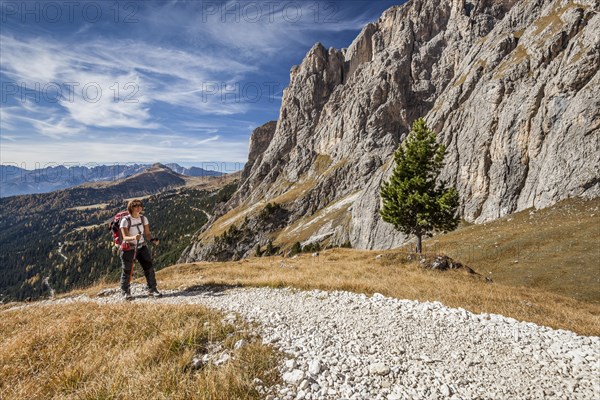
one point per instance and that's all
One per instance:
(136, 231)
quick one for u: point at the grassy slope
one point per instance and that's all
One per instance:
(556, 249)
(545, 265)
(125, 351)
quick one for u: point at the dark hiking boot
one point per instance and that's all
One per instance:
(126, 294)
(154, 293)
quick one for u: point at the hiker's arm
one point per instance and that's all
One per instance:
(149, 236)
(126, 237)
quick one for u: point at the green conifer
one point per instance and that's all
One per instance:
(412, 200)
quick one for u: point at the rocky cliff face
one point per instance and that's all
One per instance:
(519, 115)
(259, 142)
(509, 87)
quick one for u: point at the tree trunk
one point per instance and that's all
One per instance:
(419, 248)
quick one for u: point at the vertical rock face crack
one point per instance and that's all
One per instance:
(487, 164)
(591, 183)
(517, 193)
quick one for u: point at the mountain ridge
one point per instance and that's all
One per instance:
(18, 181)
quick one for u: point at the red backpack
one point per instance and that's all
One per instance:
(114, 226)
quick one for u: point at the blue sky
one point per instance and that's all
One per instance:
(94, 82)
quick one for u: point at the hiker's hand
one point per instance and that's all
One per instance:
(137, 237)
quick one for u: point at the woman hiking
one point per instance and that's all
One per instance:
(135, 230)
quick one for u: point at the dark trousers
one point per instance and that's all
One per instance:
(145, 259)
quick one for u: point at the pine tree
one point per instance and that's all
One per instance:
(296, 249)
(270, 250)
(412, 201)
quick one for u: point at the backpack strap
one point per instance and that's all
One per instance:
(144, 222)
(140, 231)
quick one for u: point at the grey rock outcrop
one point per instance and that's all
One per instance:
(519, 116)
(259, 141)
(508, 85)
(311, 85)
(525, 132)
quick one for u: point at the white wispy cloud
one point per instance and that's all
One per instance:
(6, 119)
(39, 119)
(55, 127)
(171, 81)
(113, 84)
(130, 149)
(264, 28)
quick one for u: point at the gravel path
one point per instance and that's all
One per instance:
(350, 346)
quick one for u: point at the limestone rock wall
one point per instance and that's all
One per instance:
(259, 141)
(510, 87)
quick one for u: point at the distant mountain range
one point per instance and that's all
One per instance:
(62, 238)
(17, 181)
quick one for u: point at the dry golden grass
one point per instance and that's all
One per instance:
(233, 217)
(283, 192)
(100, 206)
(124, 351)
(321, 164)
(391, 275)
(237, 215)
(556, 249)
(554, 19)
(12, 304)
(291, 191)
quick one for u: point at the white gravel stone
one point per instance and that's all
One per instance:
(314, 367)
(379, 369)
(294, 377)
(445, 390)
(304, 384)
(290, 364)
(224, 358)
(239, 344)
